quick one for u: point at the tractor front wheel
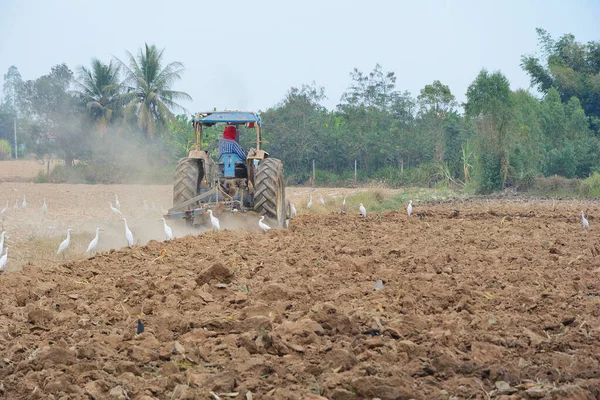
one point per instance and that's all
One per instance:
(269, 192)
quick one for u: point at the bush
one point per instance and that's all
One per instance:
(41, 177)
(5, 150)
(488, 173)
(425, 175)
(590, 186)
(562, 161)
(556, 185)
(106, 173)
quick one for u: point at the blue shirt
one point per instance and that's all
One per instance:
(231, 146)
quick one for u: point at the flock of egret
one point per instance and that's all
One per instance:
(361, 207)
(214, 222)
(116, 209)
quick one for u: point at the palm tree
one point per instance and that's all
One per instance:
(147, 87)
(99, 87)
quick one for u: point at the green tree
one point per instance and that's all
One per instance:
(529, 142)
(378, 120)
(572, 68)
(99, 88)
(55, 118)
(10, 88)
(293, 129)
(490, 108)
(148, 89)
(436, 101)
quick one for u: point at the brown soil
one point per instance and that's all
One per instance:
(23, 170)
(500, 300)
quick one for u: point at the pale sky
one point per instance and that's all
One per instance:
(247, 54)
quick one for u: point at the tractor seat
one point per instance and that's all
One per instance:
(231, 165)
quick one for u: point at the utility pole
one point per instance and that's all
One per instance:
(15, 126)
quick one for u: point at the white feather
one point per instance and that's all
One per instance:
(115, 210)
(363, 210)
(262, 225)
(4, 260)
(214, 221)
(65, 243)
(584, 221)
(94, 243)
(4, 210)
(128, 234)
(168, 231)
(2, 241)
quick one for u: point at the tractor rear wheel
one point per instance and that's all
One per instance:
(187, 180)
(269, 191)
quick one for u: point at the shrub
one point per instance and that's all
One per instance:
(488, 173)
(5, 150)
(41, 177)
(590, 186)
(556, 185)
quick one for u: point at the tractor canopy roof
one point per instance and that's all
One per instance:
(228, 117)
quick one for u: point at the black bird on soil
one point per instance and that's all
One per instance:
(140, 327)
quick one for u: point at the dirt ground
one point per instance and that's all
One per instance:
(499, 301)
(20, 170)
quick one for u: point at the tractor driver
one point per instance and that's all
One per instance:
(228, 143)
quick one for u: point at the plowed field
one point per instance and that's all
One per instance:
(499, 300)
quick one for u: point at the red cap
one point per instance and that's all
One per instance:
(229, 132)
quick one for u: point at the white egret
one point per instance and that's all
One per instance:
(344, 202)
(409, 208)
(168, 231)
(584, 221)
(44, 208)
(293, 210)
(2, 241)
(128, 234)
(16, 206)
(4, 210)
(3, 260)
(309, 205)
(65, 243)
(117, 204)
(262, 225)
(214, 221)
(115, 210)
(322, 200)
(24, 204)
(363, 210)
(94, 243)
(145, 206)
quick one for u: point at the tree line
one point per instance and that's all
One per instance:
(497, 138)
(501, 138)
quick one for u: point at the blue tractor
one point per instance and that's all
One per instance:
(229, 183)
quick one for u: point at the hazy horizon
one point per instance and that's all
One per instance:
(249, 57)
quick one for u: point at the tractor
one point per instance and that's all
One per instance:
(229, 183)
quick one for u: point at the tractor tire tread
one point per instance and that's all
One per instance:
(269, 174)
(187, 174)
